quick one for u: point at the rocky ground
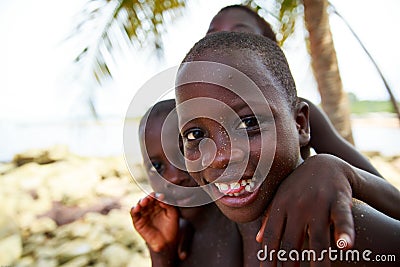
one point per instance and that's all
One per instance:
(59, 209)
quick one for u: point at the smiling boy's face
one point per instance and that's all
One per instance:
(243, 140)
(164, 175)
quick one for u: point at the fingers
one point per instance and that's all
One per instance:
(275, 223)
(136, 211)
(342, 220)
(260, 234)
(292, 240)
(319, 241)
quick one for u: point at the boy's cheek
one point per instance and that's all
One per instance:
(197, 177)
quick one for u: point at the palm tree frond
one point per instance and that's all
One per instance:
(287, 14)
(109, 23)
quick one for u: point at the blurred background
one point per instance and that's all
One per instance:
(70, 69)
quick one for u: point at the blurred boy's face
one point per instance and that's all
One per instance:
(243, 140)
(157, 164)
(234, 20)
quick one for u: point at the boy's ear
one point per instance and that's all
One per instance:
(303, 123)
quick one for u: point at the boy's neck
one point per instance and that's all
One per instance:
(202, 215)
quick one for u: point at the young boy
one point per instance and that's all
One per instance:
(267, 130)
(324, 138)
(158, 223)
(241, 18)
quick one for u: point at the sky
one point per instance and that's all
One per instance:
(43, 94)
(40, 82)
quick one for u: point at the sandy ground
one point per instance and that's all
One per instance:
(60, 209)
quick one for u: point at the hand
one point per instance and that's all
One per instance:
(315, 196)
(157, 223)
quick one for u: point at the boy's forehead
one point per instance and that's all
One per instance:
(239, 71)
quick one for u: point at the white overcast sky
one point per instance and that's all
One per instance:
(37, 83)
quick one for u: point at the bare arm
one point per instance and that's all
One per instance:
(377, 192)
(325, 139)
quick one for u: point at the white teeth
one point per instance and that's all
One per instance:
(235, 185)
(223, 187)
(247, 185)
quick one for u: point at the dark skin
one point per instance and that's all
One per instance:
(158, 222)
(324, 138)
(292, 133)
(290, 189)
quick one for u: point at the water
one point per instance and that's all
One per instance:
(104, 138)
(385, 140)
(87, 138)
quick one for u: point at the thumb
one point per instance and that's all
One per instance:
(260, 234)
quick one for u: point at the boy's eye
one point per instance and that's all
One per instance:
(156, 167)
(248, 123)
(194, 134)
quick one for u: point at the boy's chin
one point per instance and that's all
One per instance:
(241, 215)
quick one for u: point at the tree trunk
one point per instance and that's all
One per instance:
(325, 67)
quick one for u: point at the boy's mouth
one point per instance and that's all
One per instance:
(237, 188)
(237, 194)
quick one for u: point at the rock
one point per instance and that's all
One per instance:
(77, 262)
(10, 249)
(74, 183)
(25, 262)
(115, 255)
(44, 262)
(72, 249)
(112, 187)
(139, 260)
(99, 238)
(42, 225)
(6, 167)
(80, 229)
(8, 226)
(10, 240)
(45, 251)
(41, 156)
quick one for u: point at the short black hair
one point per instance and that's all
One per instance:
(161, 108)
(266, 28)
(272, 57)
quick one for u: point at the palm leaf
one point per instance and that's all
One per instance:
(285, 12)
(110, 24)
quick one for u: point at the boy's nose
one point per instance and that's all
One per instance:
(175, 176)
(224, 156)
